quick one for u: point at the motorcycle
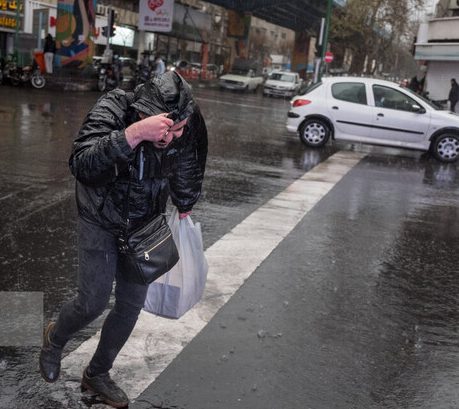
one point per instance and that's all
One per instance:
(21, 75)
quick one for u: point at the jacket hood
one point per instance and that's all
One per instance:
(168, 92)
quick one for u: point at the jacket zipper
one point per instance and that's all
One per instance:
(146, 253)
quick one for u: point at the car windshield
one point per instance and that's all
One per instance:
(236, 71)
(427, 101)
(276, 76)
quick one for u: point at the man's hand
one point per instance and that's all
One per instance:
(184, 215)
(153, 129)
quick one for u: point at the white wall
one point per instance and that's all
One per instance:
(439, 74)
(30, 6)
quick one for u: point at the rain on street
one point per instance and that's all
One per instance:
(365, 314)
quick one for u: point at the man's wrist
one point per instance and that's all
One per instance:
(131, 137)
(183, 215)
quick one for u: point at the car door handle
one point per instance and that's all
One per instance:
(380, 114)
(335, 107)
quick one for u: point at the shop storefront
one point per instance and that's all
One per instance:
(190, 34)
(11, 23)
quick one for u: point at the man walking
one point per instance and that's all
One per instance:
(160, 120)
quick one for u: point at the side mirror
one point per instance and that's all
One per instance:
(418, 109)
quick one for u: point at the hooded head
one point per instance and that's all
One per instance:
(166, 93)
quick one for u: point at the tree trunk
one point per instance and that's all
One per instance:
(358, 60)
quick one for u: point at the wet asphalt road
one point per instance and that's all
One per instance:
(371, 280)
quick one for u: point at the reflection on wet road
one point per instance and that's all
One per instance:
(390, 284)
(382, 258)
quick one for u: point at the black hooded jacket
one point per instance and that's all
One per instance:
(101, 157)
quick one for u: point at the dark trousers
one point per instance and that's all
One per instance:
(453, 104)
(97, 269)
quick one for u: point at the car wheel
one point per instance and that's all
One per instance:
(314, 133)
(446, 147)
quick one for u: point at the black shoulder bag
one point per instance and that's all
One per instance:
(148, 252)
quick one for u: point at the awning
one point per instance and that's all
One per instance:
(437, 51)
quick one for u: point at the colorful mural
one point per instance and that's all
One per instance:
(75, 30)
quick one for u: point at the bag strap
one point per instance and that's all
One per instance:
(139, 156)
(125, 213)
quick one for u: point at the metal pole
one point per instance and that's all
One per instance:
(40, 23)
(319, 60)
(16, 35)
(108, 53)
(109, 28)
(327, 28)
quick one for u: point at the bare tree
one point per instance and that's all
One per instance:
(374, 30)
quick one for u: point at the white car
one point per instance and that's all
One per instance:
(373, 111)
(282, 84)
(241, 80)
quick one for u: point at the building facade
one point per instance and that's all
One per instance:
(437, 49)
(196, 25)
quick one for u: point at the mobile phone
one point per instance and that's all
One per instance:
(173, 115)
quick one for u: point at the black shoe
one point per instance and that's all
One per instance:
(106, 388)
(50, 357)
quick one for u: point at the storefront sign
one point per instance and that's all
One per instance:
(124, 36)
(10, 5)
(9, 22)
(156, 15)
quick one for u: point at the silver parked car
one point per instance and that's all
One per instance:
(373, 111)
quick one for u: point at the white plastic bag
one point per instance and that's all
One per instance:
(181, 288)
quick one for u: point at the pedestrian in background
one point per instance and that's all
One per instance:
(49, 51)
(453, 95)
(155, 140)
(417, 84)
(160, 67)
